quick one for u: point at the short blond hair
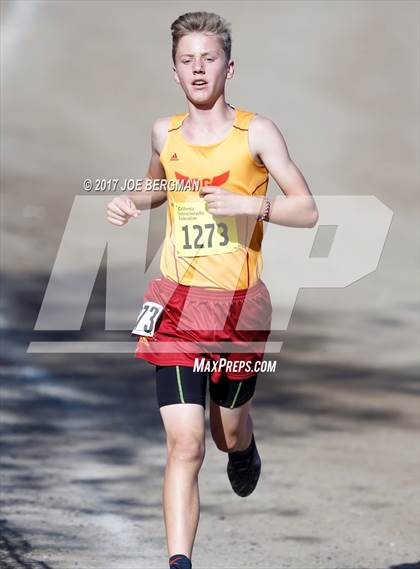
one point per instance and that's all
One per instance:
(202, 22)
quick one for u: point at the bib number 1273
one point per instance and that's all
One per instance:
(198, 233)
(198, 236)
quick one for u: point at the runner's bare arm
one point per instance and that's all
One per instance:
(298, 208)
(141, 198)
(124, 207)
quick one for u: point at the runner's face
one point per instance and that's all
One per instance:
(201, 68)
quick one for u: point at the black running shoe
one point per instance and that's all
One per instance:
(244, 475)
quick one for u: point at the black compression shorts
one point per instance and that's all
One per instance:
(181, 384)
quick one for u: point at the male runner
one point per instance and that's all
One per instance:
(211, 265)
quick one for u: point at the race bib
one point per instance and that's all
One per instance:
(147, 319)
(198, 233)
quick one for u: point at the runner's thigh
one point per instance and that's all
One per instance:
(181, 396)
(180, 384)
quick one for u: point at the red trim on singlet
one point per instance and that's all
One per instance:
(173, 247)
(175, 128)
(259, 185)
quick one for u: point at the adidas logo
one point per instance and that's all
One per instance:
(174, 157)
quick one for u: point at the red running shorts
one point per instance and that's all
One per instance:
(206, 323)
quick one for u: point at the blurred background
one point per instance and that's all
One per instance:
(83, 444)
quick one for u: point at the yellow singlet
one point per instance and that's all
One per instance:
(201, 249)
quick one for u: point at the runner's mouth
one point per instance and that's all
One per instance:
(199, 83)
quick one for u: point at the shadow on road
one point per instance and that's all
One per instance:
(82, 433)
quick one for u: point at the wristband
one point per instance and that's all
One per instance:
(264, 216)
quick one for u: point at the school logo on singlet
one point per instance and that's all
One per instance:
(215, 181)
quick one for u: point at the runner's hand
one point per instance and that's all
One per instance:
(120, 210)
(224, 202)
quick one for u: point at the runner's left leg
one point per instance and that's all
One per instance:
(232, 431)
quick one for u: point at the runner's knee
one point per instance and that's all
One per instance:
(186, 448)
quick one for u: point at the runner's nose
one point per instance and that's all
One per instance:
(198, 65)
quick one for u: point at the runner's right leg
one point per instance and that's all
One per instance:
(184, 423)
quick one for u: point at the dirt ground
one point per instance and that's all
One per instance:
(337, 425)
